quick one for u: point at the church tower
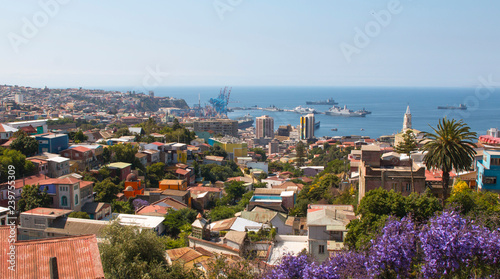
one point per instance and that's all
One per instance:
(407, 119)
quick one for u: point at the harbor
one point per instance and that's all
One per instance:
(333, 111)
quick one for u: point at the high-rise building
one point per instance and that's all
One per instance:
(407, 120)
(307, 126)
(217, 126)
(264, 127)
(19, 98)
(274, 146)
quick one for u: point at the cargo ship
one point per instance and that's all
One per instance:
(245, 121)
(326, 102)
(461, 106)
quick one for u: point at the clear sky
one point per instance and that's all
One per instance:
(93, 43)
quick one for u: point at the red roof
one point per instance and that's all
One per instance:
(144, 210)
(48, 211)
(171, 202)
(28, 129)
(204, 189)
(44, 180)
(4, 246)
(30, 180)
(84, 183)
(489, 139)
(158, 143)
(39, 161)
(81, 149)
(181, 171)
(436, 175)
(77, 257)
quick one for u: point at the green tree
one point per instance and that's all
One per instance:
(154, 174)
(17, 160)
(482, 206)
(261, 152)
(79, 137)
(106, 190)
(106, 155)
(408, 145)
(122, 207)
(32, 197)
(223, 212)
(300, 150)
(79, 214)
(234, 190)
(216, 150)
(25, 144)
(449, 147)
(214, 172)
(176, 125)
(126, 153)
(129, 252)
(379, 204)
(175, 219)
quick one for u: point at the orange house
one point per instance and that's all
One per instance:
(173, 184)
(133, 186)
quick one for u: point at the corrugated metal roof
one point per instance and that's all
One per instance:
(77, 257)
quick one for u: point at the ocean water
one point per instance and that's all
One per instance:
(387, 105)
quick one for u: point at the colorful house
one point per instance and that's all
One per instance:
(120, 169)
(173, 184)
(133, 186)
(488, 170)
(52, 143)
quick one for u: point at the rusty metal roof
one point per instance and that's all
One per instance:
(77, 257)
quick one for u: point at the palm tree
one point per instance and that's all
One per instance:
(450, 147)
(408, 145)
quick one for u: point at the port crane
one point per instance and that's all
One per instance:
(220, 103)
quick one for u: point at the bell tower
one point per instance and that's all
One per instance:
(407, 119)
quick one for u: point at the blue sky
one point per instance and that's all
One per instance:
(252, 42)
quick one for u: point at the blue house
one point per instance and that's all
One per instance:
(488, 170)
(52, 143)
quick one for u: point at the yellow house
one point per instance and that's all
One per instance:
(173, 184)
(182, 156)
(234, 147)
(188, 256)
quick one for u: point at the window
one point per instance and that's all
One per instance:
(76, 199)
(490, 180)
(322, 249)
(495, 161)
(408, 187)
(64, 201)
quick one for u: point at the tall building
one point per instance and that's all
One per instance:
(19, 98)
(217, 126)
(264, 127)
(274, 146)
(407, 119)
(307, 126)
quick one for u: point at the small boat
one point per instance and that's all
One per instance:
(317, 125)
(362, 129)
(334, 129)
